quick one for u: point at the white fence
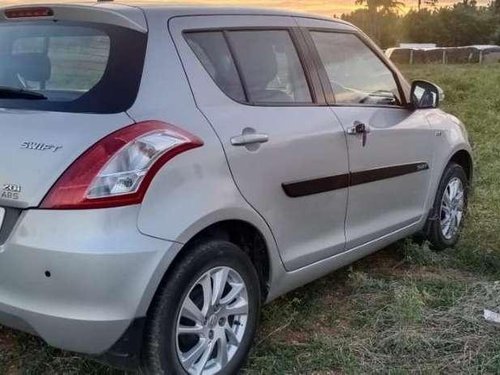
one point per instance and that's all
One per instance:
(445, 55)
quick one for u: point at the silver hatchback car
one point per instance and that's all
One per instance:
(167, 170)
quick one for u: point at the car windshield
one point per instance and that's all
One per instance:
(75, 67)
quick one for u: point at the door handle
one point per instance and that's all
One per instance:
(359, 128)
(249, 139)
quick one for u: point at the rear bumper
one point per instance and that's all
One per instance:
(78, 278)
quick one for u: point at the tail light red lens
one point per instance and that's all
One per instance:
(118, 169)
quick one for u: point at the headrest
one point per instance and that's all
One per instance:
(260, 64)
(31, 66)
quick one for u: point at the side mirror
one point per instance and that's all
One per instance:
(425, 95)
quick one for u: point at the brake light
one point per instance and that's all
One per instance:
(118, 169)
(26, 12)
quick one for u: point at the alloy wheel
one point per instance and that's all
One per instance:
(452, 208)
(212, 321)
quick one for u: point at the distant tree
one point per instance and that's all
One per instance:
(495, 9)
(420, 26)
(383, 7)
(431, 3)
(378, 19)
(382, 28)
(464, 23)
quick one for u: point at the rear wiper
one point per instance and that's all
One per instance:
(15, 93)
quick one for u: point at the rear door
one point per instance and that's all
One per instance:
(282, 143)
(390, 145)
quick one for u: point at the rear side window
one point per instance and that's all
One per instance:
(258, 66)
(73, 67)
(270, 67)
(213, 52)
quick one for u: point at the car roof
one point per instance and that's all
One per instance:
(192, 8)
(125, 7)
(186, 8)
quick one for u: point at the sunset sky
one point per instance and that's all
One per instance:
(323, 7)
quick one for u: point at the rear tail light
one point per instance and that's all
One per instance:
(28, 12)
(118, 169)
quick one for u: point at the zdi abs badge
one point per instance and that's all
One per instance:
(11, 191)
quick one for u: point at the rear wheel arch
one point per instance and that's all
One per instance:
(241, 233)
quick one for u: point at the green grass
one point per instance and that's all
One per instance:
(403, 310)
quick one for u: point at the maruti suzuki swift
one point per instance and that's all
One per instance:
(167, 170)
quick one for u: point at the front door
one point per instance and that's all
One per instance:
(281, 141)
(389, 145)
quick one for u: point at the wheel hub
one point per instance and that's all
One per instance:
(212, 321)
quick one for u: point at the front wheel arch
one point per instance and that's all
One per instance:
(464, 159)
(432, 231)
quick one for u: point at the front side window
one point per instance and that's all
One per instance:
(356, 73)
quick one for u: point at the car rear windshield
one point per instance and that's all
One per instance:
(70, 67)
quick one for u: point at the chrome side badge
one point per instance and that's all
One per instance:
(11, 191)
(40, 146)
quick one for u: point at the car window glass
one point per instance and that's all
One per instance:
(356, 73)
(76, 62)
(270, 66)
(70, 66)
(213, 52)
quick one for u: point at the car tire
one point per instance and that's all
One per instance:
(166, 351)
(445, 224)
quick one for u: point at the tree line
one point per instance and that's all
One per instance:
(461, 24)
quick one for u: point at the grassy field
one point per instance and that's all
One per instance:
(402, 310)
